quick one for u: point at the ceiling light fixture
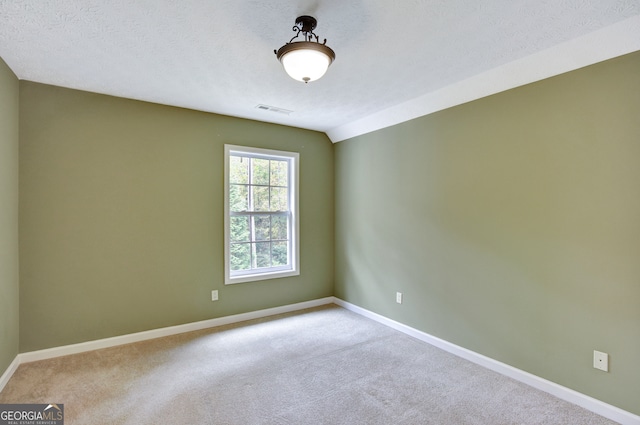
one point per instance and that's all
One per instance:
(306, 60)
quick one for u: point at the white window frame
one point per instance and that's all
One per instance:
(293, 269)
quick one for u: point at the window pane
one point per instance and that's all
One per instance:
(240, 256)
(238, 170)
(279, 253)
(262, 228)
(278, 227)
(239, 229)
(279, 199)
(238, 197)
(261, 217)
(263, 254)
(259, 171)
(260, 198)
(279, 173)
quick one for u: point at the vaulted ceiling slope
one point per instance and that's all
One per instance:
(395, 60)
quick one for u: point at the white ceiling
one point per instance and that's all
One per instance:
(395, 59)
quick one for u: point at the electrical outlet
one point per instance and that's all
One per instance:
(601, 360)
(214, 295)
(399, 297)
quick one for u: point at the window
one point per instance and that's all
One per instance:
(261, 214)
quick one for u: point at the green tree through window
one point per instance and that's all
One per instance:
(260, 214)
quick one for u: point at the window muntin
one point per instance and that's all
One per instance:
(261, 214)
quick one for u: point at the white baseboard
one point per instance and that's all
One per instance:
(155, 333)
(599, 407)
(9, 372)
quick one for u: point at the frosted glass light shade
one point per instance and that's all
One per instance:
(305, 60)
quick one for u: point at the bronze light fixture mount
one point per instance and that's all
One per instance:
(305, 60)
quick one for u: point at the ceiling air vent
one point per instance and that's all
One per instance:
(274, 109)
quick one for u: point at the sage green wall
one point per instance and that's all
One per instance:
(9, 327)
(121, 216)
(511, 224)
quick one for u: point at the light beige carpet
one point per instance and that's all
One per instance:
(319, 366)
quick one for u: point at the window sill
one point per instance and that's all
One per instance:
(231, 280)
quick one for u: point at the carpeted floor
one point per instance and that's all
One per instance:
(319, 366)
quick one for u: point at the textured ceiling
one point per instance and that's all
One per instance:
(217, 55)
